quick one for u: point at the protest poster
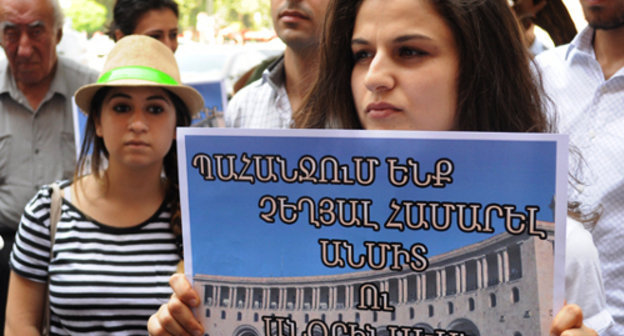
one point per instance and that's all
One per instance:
(328, 232)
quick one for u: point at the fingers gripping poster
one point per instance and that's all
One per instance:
(326, 232)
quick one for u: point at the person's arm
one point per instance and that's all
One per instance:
(569, 322)
(25, 302)
(176, 316)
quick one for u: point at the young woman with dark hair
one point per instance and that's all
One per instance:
(495, 85)
(438, 65)
(155, 18)
(118, 238)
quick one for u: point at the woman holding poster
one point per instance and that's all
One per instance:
(428, 65)
(443, 66)
(117, 239)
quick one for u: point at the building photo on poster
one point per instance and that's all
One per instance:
(334, 232)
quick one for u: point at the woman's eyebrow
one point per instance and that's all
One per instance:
(399, 39)
(119, 95)
(159, 97)
(410, 37)
(359, 41)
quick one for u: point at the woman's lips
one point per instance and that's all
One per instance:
(136, 143)
(381, 109)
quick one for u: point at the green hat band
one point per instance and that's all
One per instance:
(137, 72)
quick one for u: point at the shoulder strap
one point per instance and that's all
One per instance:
(55, 212)
(56, 199)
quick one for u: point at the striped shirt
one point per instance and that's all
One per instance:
(103, 279)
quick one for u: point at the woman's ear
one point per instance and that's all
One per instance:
(98, 127)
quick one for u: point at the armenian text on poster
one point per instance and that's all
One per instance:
(366, 233)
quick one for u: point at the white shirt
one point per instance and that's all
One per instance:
(591, 110)
(263, 103)
(583, 280)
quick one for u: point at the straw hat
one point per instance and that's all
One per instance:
(139, 60)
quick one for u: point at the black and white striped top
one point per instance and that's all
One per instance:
(104, 280)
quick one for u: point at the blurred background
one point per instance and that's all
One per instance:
(219, 40)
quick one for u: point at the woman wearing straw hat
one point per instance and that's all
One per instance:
(117, 242)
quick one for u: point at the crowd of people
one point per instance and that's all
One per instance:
(111, 263)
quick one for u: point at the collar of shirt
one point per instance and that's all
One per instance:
(57, 86)
(275, 74)
(582, 44)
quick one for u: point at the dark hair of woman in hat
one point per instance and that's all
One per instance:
(118, 239)
(155, 18)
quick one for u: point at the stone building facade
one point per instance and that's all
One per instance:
(499, 286)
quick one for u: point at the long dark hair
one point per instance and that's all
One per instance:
(126, 14)
(497, 90)
(93, 151)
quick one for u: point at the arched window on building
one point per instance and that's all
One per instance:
(255, 317)
(341, 301)
(240, 297)
(223, 316)
(208, 294)
(306, 318)
(412, 289)
(356, 294)
(515, 262)
(291, 298)
(239, 316)
(430, 310)
(471, 275)
(451, 280)
(411, 313)
(393, 291)
(492, 300)
(393, 315)
(492, 269)
(451, 308)
(517, 333)
(374, 316)
(515, 295)
(257, 298)
(207, 312)
(471, 304)
(225, 296)
(324, 298)
(274, 298)
(357, 317)
(431, 285)
(307, 298)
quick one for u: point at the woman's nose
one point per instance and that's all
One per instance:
(379, 76)
(138, 123)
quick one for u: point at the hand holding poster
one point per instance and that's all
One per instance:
(302, 232)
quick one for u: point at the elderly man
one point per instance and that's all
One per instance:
(269, 101)
(36, 126)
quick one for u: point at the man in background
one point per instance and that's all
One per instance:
(36, 124)
(269, 101)
(585, 81)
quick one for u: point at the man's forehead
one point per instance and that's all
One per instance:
(26, 11)
(9, 24)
